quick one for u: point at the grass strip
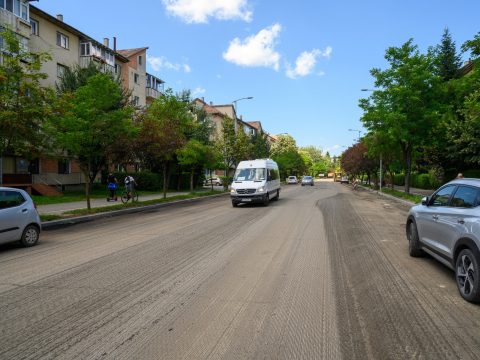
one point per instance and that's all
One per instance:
(400, 194)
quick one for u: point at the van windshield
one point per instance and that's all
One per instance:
(250, 174)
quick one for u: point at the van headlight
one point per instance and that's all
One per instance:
(232, 191)
(261, 189)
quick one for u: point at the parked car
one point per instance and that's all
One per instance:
(344, 180)
(215, 180)
(19, 219)
(446, 225)
(292, 180)
(307, 180)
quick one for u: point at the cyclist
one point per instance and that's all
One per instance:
(129, 185)
(112, 185)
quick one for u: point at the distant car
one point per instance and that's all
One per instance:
(215, 180)
(292, 180)
(307, 180)
(344, 180)
(447, 226)
(19, 219)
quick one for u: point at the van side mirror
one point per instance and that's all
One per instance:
(425, 201)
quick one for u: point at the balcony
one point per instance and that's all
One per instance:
(104, 67)
(154, 88)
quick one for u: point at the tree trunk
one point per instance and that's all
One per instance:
(86, 173)
(408, 168)
(191, 180)
(164, 180)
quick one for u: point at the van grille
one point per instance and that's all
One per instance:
(245, 191)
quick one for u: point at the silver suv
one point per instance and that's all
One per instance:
(447, 226)
(19, 218)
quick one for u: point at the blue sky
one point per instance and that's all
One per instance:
(303, 62)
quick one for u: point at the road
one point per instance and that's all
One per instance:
(321, 274)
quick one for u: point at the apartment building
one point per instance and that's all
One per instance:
(68, 47)
(144, 87)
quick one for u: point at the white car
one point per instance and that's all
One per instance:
(214, 180)
(19, 219)
(292, 180)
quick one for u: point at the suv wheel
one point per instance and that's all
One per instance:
(30, 236)
(467, 274)
(413, 241)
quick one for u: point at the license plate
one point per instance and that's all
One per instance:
(246, 200)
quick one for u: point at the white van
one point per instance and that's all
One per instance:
(255, 181)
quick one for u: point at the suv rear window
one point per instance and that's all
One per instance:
(10, 199)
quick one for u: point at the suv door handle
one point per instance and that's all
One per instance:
(461, 221)
(24, 210)
(435, 217)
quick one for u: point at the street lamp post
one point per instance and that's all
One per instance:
(235, 107)
(359, 133)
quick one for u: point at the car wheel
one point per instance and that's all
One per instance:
(234, 204)
(413, 241)
(30, 236)
(467, 274)
(277, 196)
(266, 200)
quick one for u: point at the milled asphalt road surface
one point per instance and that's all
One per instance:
(323, 273)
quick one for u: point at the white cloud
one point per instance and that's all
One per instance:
(161, 62)
(198, 91)
(198, 11)
(255, 50)
(306, 61)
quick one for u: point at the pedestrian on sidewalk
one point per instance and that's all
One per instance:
(112, 185)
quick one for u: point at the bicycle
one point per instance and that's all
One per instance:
(132, 196)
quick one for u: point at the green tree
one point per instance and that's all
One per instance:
(193, 155)
(163, 131)
(24, 104)
(232, 146)
(285, 152)
(406, 106)
(89, 129)
(260, 146)
(446, 60)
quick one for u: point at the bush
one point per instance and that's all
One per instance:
(399, 179)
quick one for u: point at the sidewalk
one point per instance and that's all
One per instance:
(57, 209)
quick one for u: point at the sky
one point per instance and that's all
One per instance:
(304, 62)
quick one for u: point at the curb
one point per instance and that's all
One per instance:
(55, 224)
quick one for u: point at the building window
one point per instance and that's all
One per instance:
(135, 78)
(62, 40)
(140, 60)
(61, 70)
(34, 25)
(118, 69)
(85, 49)
(16, 7)
(64, 166)
(136, 101)
(24, 12)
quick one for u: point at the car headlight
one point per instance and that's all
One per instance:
(232, 191)
(261, 189)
